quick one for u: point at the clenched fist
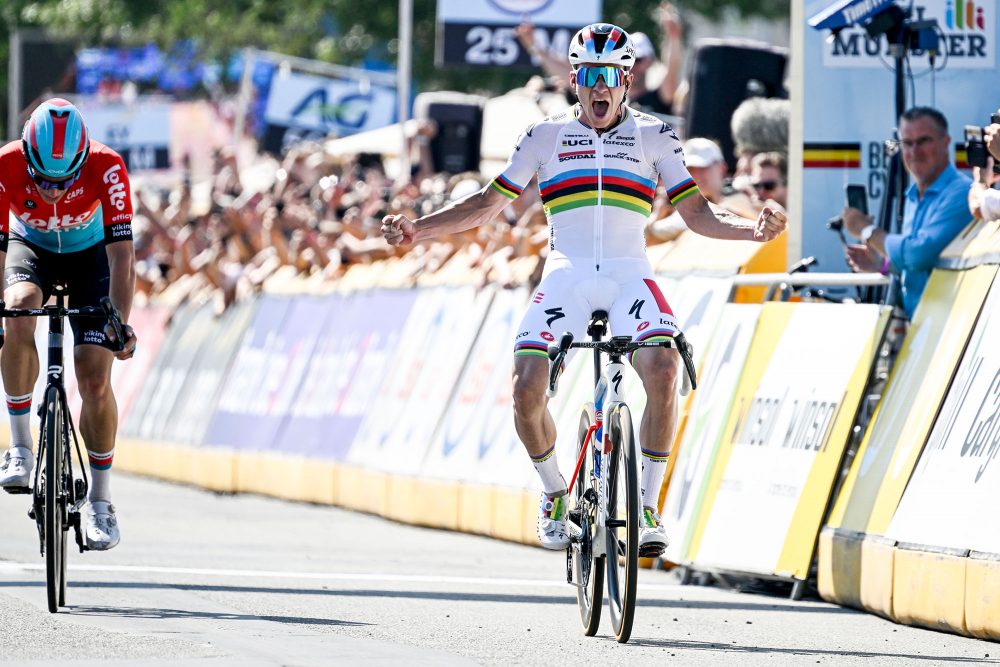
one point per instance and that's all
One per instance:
(770, 224)
(398, 230)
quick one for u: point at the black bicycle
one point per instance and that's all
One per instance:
(57, 493)
(605, 502)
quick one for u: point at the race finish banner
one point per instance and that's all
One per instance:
(481, 32)
(314, 105)
(783, 444)
(957, 474)
(848, 105)
(140, 132)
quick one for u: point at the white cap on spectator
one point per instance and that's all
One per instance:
(701, 152)
(643, 46)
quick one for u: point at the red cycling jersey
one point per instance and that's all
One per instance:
(96, 207)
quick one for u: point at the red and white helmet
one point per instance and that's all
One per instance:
(602, 44)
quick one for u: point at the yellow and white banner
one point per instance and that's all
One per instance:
(785, 437)
(919, 380)
(954, 491)
(696, 454)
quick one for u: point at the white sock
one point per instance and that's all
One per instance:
(654, 464)
(19, 409)
(552, 480)
(100, 475)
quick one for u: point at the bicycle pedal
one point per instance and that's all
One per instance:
(17, 490)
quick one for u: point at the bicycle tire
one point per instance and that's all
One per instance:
(588, 571)
(55, 537)
(623, 541)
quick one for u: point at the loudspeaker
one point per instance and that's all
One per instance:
(722, 74)
(459, 118)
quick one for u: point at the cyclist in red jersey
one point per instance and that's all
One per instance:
(69, 221)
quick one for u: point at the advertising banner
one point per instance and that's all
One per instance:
(349, 363)
(481, 32)
(200, 393)
(452, 334)
(309, 106)
(131, 424)
(957, 476)
(848, 105)
(244, 412)
(921, 376)
(139, 132)
(694, 458)
(788, 428)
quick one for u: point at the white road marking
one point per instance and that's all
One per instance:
(9, 567)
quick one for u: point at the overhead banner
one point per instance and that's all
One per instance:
(785, 437)
(931, 351)
(848, 105)
(481, 32)
(696, 454)
(955, 485)
(139, 132)
(308, 106)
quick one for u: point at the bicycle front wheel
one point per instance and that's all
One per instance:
(587, 570)
(623, 521)
(55, 501)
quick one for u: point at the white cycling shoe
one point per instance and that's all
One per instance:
(553, 532)
(653, 539)
(100, 525)
(15, 470)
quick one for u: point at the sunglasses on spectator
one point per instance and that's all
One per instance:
(46, 184)
(587, 76)
(766, 186)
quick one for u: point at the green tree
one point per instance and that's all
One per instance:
(340, 31)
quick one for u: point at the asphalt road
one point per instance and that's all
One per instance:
(210, 580)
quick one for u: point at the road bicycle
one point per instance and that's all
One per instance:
(57, 493)
(605, 501)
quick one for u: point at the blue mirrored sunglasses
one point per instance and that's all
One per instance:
(46, 184)
(588, 76)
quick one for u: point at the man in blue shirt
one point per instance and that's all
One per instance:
(935, 212)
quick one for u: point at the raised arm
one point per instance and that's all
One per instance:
(718, 223)
(458, 216)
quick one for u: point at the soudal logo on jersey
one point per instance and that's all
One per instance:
(576, 155)
(967, 38)
(117, 190)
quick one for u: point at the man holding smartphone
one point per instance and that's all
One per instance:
(934, 213)
(984, 200)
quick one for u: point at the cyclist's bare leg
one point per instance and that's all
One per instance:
(99, 412)
(659, 369)
(532, 419)
(19, 361)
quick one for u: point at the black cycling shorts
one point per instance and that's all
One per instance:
(85, 273)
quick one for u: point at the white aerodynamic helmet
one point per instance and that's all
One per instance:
(602, 44)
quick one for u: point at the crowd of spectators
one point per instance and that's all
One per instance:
(314, 216)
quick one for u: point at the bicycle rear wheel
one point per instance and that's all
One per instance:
(623, 521)
(55, 502)
(587, 570)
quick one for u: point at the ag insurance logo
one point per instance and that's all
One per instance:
(967, 38)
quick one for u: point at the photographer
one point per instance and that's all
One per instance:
(984, 201)
(934, 213)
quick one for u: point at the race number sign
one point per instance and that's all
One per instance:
(481, 32)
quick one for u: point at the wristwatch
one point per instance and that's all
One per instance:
(867, 232)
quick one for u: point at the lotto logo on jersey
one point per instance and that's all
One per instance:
(55, 223)
(117, 190)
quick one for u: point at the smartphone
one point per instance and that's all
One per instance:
(857, 197)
